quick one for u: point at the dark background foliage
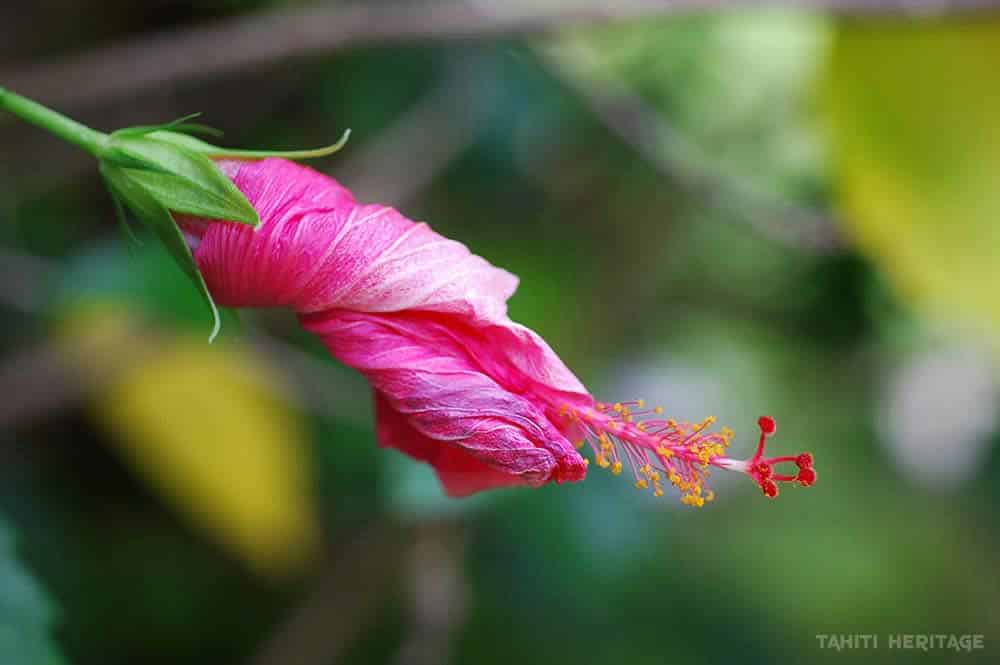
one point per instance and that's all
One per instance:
(725, 213)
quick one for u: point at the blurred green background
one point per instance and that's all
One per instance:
(726, 213)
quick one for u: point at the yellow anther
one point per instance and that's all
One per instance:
(616, 468)
(641, 403)
(641, 427)
(691, 500)
(602, 461)
(664, 452)
(579, 444)
(655, 476)
(641, 484)
(586, 462)
(617, 407)
(709, 495)
(696, 490)
(658, 410)
(600, 406)
(657, 491)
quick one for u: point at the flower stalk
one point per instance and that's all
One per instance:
(55, 123)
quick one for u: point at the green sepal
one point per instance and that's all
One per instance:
(126, 230)
(178, 125)
(176, 193)
(197, 145)
(181, 179)
(157, 217)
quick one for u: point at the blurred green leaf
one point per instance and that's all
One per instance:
(913, 113)
(26, 613)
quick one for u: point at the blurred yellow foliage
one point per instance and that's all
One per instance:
(206, 426)
(913, 109)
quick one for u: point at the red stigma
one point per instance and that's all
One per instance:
(806, 477)
(762, 470)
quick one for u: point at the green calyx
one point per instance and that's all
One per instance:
(156, 171)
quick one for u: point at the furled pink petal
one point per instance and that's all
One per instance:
(459, 385)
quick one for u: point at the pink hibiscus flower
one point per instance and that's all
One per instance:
(456, 383)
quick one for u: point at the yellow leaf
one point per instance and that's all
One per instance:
(207, 427)
(914, 120)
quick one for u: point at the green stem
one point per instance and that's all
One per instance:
(69, 130)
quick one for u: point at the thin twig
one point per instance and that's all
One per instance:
(407, 156)
(205, 52)
(41, 379)
(435, 574)
(627, 115)
(345, 599)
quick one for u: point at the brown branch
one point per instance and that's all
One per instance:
(204, 52)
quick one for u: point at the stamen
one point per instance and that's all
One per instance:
(665, 451)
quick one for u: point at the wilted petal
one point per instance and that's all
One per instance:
(423, 372)
(460, 473)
